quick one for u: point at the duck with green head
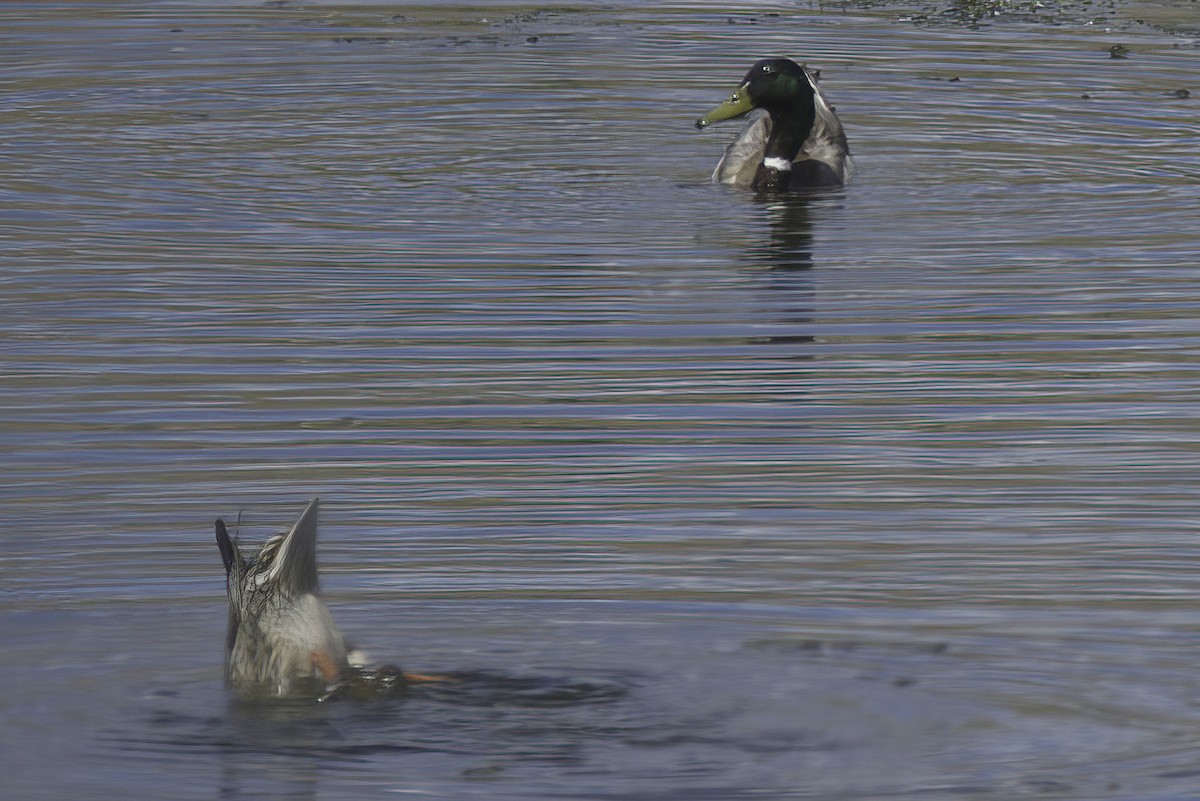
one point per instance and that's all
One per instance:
(797, 143)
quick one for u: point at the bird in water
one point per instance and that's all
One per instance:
(281, 639)
(797, 142)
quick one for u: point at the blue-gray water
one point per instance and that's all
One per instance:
(889, 492)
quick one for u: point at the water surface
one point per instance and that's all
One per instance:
(888, 491)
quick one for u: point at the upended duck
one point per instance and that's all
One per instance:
(281, 639)
(797, 143)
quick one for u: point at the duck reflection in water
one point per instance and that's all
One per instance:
(781, 259)
(281, 639)
(789, 244)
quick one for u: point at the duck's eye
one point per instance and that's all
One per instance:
(766, 68)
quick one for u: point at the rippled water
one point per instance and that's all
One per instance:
(885, 492)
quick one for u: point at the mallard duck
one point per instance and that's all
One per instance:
(281, 638)
(798, 142)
